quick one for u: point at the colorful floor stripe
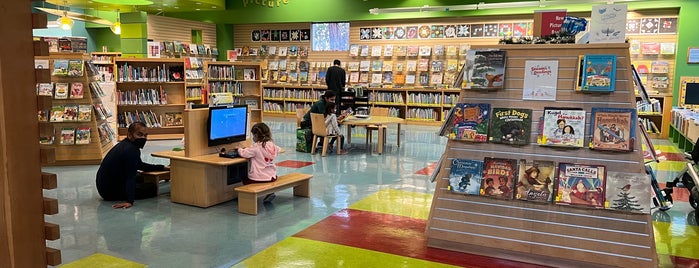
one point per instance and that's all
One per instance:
(294, 164)
(102, 261)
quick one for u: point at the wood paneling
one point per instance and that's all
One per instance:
(162, 29)
(49, 181)
(52, 231)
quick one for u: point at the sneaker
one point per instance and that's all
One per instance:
(344, 152)
(268, 198)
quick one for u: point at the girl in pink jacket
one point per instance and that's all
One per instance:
(261, 155)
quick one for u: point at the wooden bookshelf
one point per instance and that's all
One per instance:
(221, 77)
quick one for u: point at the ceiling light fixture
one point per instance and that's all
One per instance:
(116, 27)
(64, 22)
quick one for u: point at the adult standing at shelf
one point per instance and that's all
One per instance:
(335, 78)
(118, 178)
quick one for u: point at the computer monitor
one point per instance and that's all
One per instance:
(227, 124)
(691, 94)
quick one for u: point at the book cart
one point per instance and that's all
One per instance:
(545, 233)
(92, 137)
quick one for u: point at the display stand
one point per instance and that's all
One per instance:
(547, 234)
(106, 63)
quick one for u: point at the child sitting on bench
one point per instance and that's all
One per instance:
(261, 155)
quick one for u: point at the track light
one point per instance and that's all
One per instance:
(64, 22)
(116, 27)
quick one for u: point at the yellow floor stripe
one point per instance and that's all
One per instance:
(299, 252)
(676, 166)
(667, 148)
(102, 261)
(676, 239)
(397, 202)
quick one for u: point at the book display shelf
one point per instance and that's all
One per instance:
(106, 64)
(240, 79)
(151, 91)
(73, 126)
(544, 232)
(194, 77)
(656, 116)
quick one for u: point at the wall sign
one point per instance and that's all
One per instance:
(265, 3)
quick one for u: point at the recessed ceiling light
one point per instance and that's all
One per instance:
(160, 9)
(165, 4)
(177, 7)
(198, 9)
(198, 3)
(214, 7)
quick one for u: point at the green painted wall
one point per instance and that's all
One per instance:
(104, 37)
(224, 39)
(688, 37)
(134, 34)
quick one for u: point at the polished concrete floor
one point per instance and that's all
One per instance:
(365, 210)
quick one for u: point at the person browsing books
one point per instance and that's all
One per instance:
(335, 78)
(261, 155)
(332, 127)
(117, 177)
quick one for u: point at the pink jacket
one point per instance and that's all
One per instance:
(262, 166)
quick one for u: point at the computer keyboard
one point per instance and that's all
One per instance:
(229, 154)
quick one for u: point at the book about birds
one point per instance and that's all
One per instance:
(628, 192)
(563, 127)
(485, 69)
(499, 176)
(471, 122)
(613, 129)
(599, 73)
(536, 181)
(465, 176)
(511, 126)
(580, 184)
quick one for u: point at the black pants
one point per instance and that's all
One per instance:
(144, 190)
(342, 141)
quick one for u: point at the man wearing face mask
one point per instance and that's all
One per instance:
(117, 177)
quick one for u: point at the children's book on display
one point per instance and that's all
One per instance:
(465, 176)
(599, 73)
(613, 129)
(499, 176)
(485, 69)
(471, 122)
(563, 127)
(511, 126)
(579, 184)
(536, 181)
(628, 192)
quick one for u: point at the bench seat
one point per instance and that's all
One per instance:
(248, 194)
(156, 177)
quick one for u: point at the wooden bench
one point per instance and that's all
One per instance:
(247, 194)
(156, 177)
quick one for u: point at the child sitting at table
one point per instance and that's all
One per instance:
(261, 155)
(331, 125)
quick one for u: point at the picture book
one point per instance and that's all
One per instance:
(411, 66)
(364, 51)
(579, 184)
(77, 90)
(364, 65)
(471, 122)
(82, 135)
(354, 77)
(353, 66)
(599, 73)
(660, 67)
(401, 51)
(67, 136)
(485, 69)
(452, 50)
(499, 176)
(249, 74)
(84, 112)
(608, 23)
(628, 192)
(437, 66)
(436, 78)
(667, 48)
(43, 115)
(613, 129)
(75, 67)
(651, 48)
(423, 65)
(425, 51)
(172, 119)
(387, 78)
(293, 76)
(438, 50)
(659, 82)
(465, 176)
(57, 113)
(376, 51)
(60, 67)
(44, 89)
(399, 79)
(540, 80)
(387, 66)
(536, 181)
(70, 112)
(388, 51)
(563, 127)
(510, 126)
(409, 79)
(363, 77)
(376, 65)
(413, 51)
(376, 78)
(424, 79)
(61, 91)
(354, 50)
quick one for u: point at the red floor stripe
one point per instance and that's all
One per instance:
(678, 194)
(427, 170)
(294, 164)
(392, 234)
(683, 262)
(669, 156)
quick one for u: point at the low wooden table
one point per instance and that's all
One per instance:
(373, 120)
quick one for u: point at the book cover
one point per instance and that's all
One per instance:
(61, 91)
(273, 65)
(471, 122)
(293, 76)
(659, 82)
(57, 113)
(248, 74)
(437, 66)
(424, 79)
(44, 89)
(579, 184)
(354, 50)
(613, 129)
(82, 135)
(423, 65)
(425, 51)
(70, 112)
(465, 176)
(487, 70)
(436, 78)
(411, 66)
(413, 51)
(452, 65)
(364, 77)
(353, 66)
(536, 181)
(376, 65)
(303, 76)
(354, 77)
(401, 51)
(399, 79)
(291, 66)
(667, 48)
(376, 78)
(376, 51)
(84, 112)
(67, 136)
(634, 47)
(387, 66)
(438, 50)
(388, 51)
(43, 115)
(282, 51)
(409, 79)
(77, 90)
(387, 78)
(75, 68)
(364, 51)
(563, 127)
(608, 23)
(540, 80)
(511, 126)
(651, 48)
(499, 176)
(628, 192)
(548, 22)
(364, 65)
(60, 67)
(599, 73)
(660, 67)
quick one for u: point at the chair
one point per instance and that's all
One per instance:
(300, 112)
(376, 111)
(319, 130)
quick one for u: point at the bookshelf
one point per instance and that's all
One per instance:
(241, 79)
(657, 115)
(151, 91)
(194, 80)
(73, 130)
(106, 64)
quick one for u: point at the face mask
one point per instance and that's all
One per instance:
(140, 142)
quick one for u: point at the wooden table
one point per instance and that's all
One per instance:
(372, 120)
(201, 180)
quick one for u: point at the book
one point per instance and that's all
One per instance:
(44, 89)
(388, 51)
(82, 135)
(580, 184)
(387, 78)
(70, 112)
(628, 192)
(60, 67)
(401, 51)
(510, 126)
(248, 74)
(84, 112)
(67, 136)
(411, 66)
(471, 122)
(409, 79)
(376, 78)
(43, 115)
(613, 129)
(487, 70)
(354, 50)
(364, 51)
(354, 77)
(413, 51)
(438, 50)
(77, 90)
(660, 67)
(376, 65)
(499, 176)
(608, 23)
(75, 68)
(424, 50)
(667, 48)
(562, 127)
(364, 77)
(465, 176)
(540, 80)
(424, 79)
(376, 51)
(57, 113)
(172, 119)
(437, 66)
(535, 181)
(399, 79)
(650, 48)
(364, 65)
(599, 73)
(61, 91)
(353, 66)
(436, 78)
(387, 66)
